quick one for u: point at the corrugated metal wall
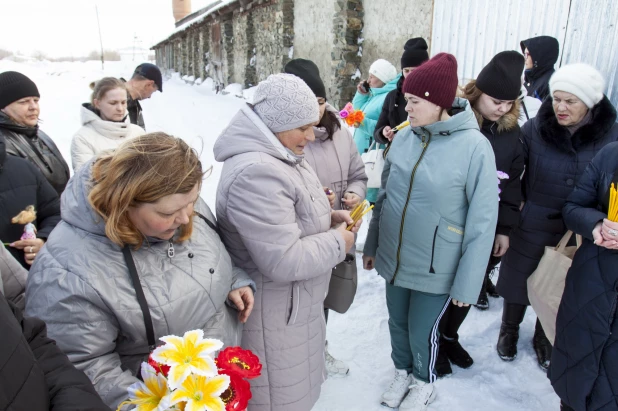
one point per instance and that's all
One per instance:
(592, 37)
(475, 30)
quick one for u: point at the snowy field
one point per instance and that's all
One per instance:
(359, 337)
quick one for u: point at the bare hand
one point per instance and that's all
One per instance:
(331, 196)
(340, 216)
(388, 133)
(369, 263)
(348, 236)
(501, 244)
(30, 247)
(459, 303)
(243, 300)
(361, 89)
(602, 237)
(351, 200)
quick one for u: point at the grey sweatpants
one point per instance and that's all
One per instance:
(413, 323)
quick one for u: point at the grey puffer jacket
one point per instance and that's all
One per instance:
(275, 221)
(80, 286)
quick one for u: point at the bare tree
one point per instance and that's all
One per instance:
(5, 53)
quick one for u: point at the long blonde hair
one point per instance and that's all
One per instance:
(142, 170)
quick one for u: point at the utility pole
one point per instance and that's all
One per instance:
(96, 8)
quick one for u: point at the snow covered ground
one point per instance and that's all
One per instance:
(360, 337)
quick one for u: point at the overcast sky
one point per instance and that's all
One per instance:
(69, 27)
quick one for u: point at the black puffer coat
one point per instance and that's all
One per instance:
(34, 374)
(21, 185)
(544, 51)
(584, 364)
(393, 112)
(36, 146)
(554, 161)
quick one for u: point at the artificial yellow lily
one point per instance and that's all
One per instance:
(190, 354)
(202, 393)
(150, 395)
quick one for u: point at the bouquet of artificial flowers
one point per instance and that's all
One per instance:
(353, 118)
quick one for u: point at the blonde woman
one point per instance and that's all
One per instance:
(129, 208)
(105, 123)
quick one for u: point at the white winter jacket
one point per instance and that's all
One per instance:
(97, 135)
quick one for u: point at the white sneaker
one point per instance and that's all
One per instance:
(420, 396)
(398, 389)
(335, 367)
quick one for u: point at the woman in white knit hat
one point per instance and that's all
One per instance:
(569, 129)
(278, 225)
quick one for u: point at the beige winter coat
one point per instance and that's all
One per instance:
(97, 135)
(275, 222)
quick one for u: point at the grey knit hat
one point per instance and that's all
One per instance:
(284, 102)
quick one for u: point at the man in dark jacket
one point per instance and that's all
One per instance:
(21, 185)
(394, 108)
(34, 374)
(19, 117)
(541, 55)
(145, 81)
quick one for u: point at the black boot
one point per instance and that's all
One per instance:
(443, 365)
(456, 353)
(512, 316)
(483, 302)
(542, 346)
(490, 289)
(492, 269)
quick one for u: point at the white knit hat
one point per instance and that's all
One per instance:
(285, 102)
(580, 79)
(383, 70)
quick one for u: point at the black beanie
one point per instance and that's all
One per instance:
(414, 53)
(309, 73)
(501, 78)
(15, 86)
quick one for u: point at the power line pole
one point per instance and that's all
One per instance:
(96, 8)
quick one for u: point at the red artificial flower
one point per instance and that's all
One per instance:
(159, 368)
(239, 361)
(238, 394)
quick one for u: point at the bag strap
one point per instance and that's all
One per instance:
(565, 240)
(208, 222)
(525, 109)
(141, 298)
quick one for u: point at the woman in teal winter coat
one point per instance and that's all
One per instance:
(382, 79)
(433, 224)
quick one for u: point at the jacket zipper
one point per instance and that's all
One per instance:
(170, 250)
(433, 249)
(405, 208)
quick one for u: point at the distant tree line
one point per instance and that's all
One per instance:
(109, 55)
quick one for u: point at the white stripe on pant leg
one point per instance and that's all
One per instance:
(433, 353)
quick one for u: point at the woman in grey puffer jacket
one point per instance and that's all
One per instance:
(277, 224)
(132, 201)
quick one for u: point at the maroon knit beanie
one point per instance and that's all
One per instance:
(435, 80)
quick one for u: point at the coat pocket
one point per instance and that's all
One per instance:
(297, 313)
(446, 250)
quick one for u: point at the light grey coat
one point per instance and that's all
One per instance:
(80, 286)
(275, 221)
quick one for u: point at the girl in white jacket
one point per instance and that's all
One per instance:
(105, 123)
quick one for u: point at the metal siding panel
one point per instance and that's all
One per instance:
(592, 38)
(475, 30)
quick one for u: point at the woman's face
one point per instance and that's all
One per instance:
(529, 61)
(407, 70)
(24, 111)
(161, 219)
(492, 109)
(295, 140)
(421, 112)
(375, 82)
(113, 105)
(569, 109)
(322, 104)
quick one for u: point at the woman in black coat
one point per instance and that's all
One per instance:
(541, 55)
(22, 185)
(394, 108)
(584, 366)
(559, 143)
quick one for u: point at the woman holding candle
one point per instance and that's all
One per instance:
(433, 226)
(584, 362)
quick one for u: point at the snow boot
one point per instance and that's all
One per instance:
(420, 396)
(512, 316)
(443, 365)
(542, 346)
(483, 302)
(398, 389)
(455, 352)
(490, 289)
(335, 367)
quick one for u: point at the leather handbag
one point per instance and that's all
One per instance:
(546, 284)
(342, 287)
(374, 164)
